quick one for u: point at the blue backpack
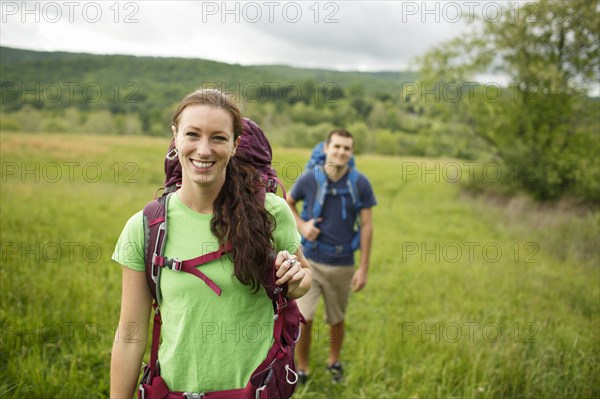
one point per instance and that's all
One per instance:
(315, 166)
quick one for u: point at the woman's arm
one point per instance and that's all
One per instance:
(131, 336)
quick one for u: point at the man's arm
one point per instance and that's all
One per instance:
(307, 229)
(292, 203)
(359, 280)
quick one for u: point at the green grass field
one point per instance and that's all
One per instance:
(466, 298)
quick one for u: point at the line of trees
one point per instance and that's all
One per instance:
(544, 121)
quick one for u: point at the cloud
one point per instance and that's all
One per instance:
(376, 29)
(360, 35)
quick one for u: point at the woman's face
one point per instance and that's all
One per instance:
(205, 141)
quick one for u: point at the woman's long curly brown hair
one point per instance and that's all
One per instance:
(238, 215)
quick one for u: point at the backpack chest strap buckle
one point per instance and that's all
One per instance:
(174, 264)
(192, 395)
(161, 261)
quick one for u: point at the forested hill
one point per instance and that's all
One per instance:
(54, 80)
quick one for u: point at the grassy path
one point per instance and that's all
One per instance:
(462, 301)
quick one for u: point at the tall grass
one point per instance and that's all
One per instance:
(465, 299)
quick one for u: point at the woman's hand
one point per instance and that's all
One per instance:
(295, 271)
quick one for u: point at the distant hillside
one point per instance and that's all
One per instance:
(120, 83)
(129, 95)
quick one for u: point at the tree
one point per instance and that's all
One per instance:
(549, 52)
(101, 122)
(29, 118)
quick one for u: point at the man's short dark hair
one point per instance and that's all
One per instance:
(340, 132)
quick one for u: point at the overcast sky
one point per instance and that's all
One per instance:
(343, 35)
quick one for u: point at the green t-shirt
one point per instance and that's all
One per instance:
(209, 342)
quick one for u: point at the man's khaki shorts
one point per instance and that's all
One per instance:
(333, 282)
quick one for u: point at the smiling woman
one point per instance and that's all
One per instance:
(204, 139)
(216, 207)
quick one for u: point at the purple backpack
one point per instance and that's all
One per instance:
(275, 377)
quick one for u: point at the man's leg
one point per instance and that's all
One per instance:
(336, 332)
(308, 306)
(303, 347)
(336, 295)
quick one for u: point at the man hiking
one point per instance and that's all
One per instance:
(335, 222)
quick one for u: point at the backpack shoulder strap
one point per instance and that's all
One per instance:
(321, 192)
(272, 183)
(155, 234)
(352, 182)
(353, 177)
